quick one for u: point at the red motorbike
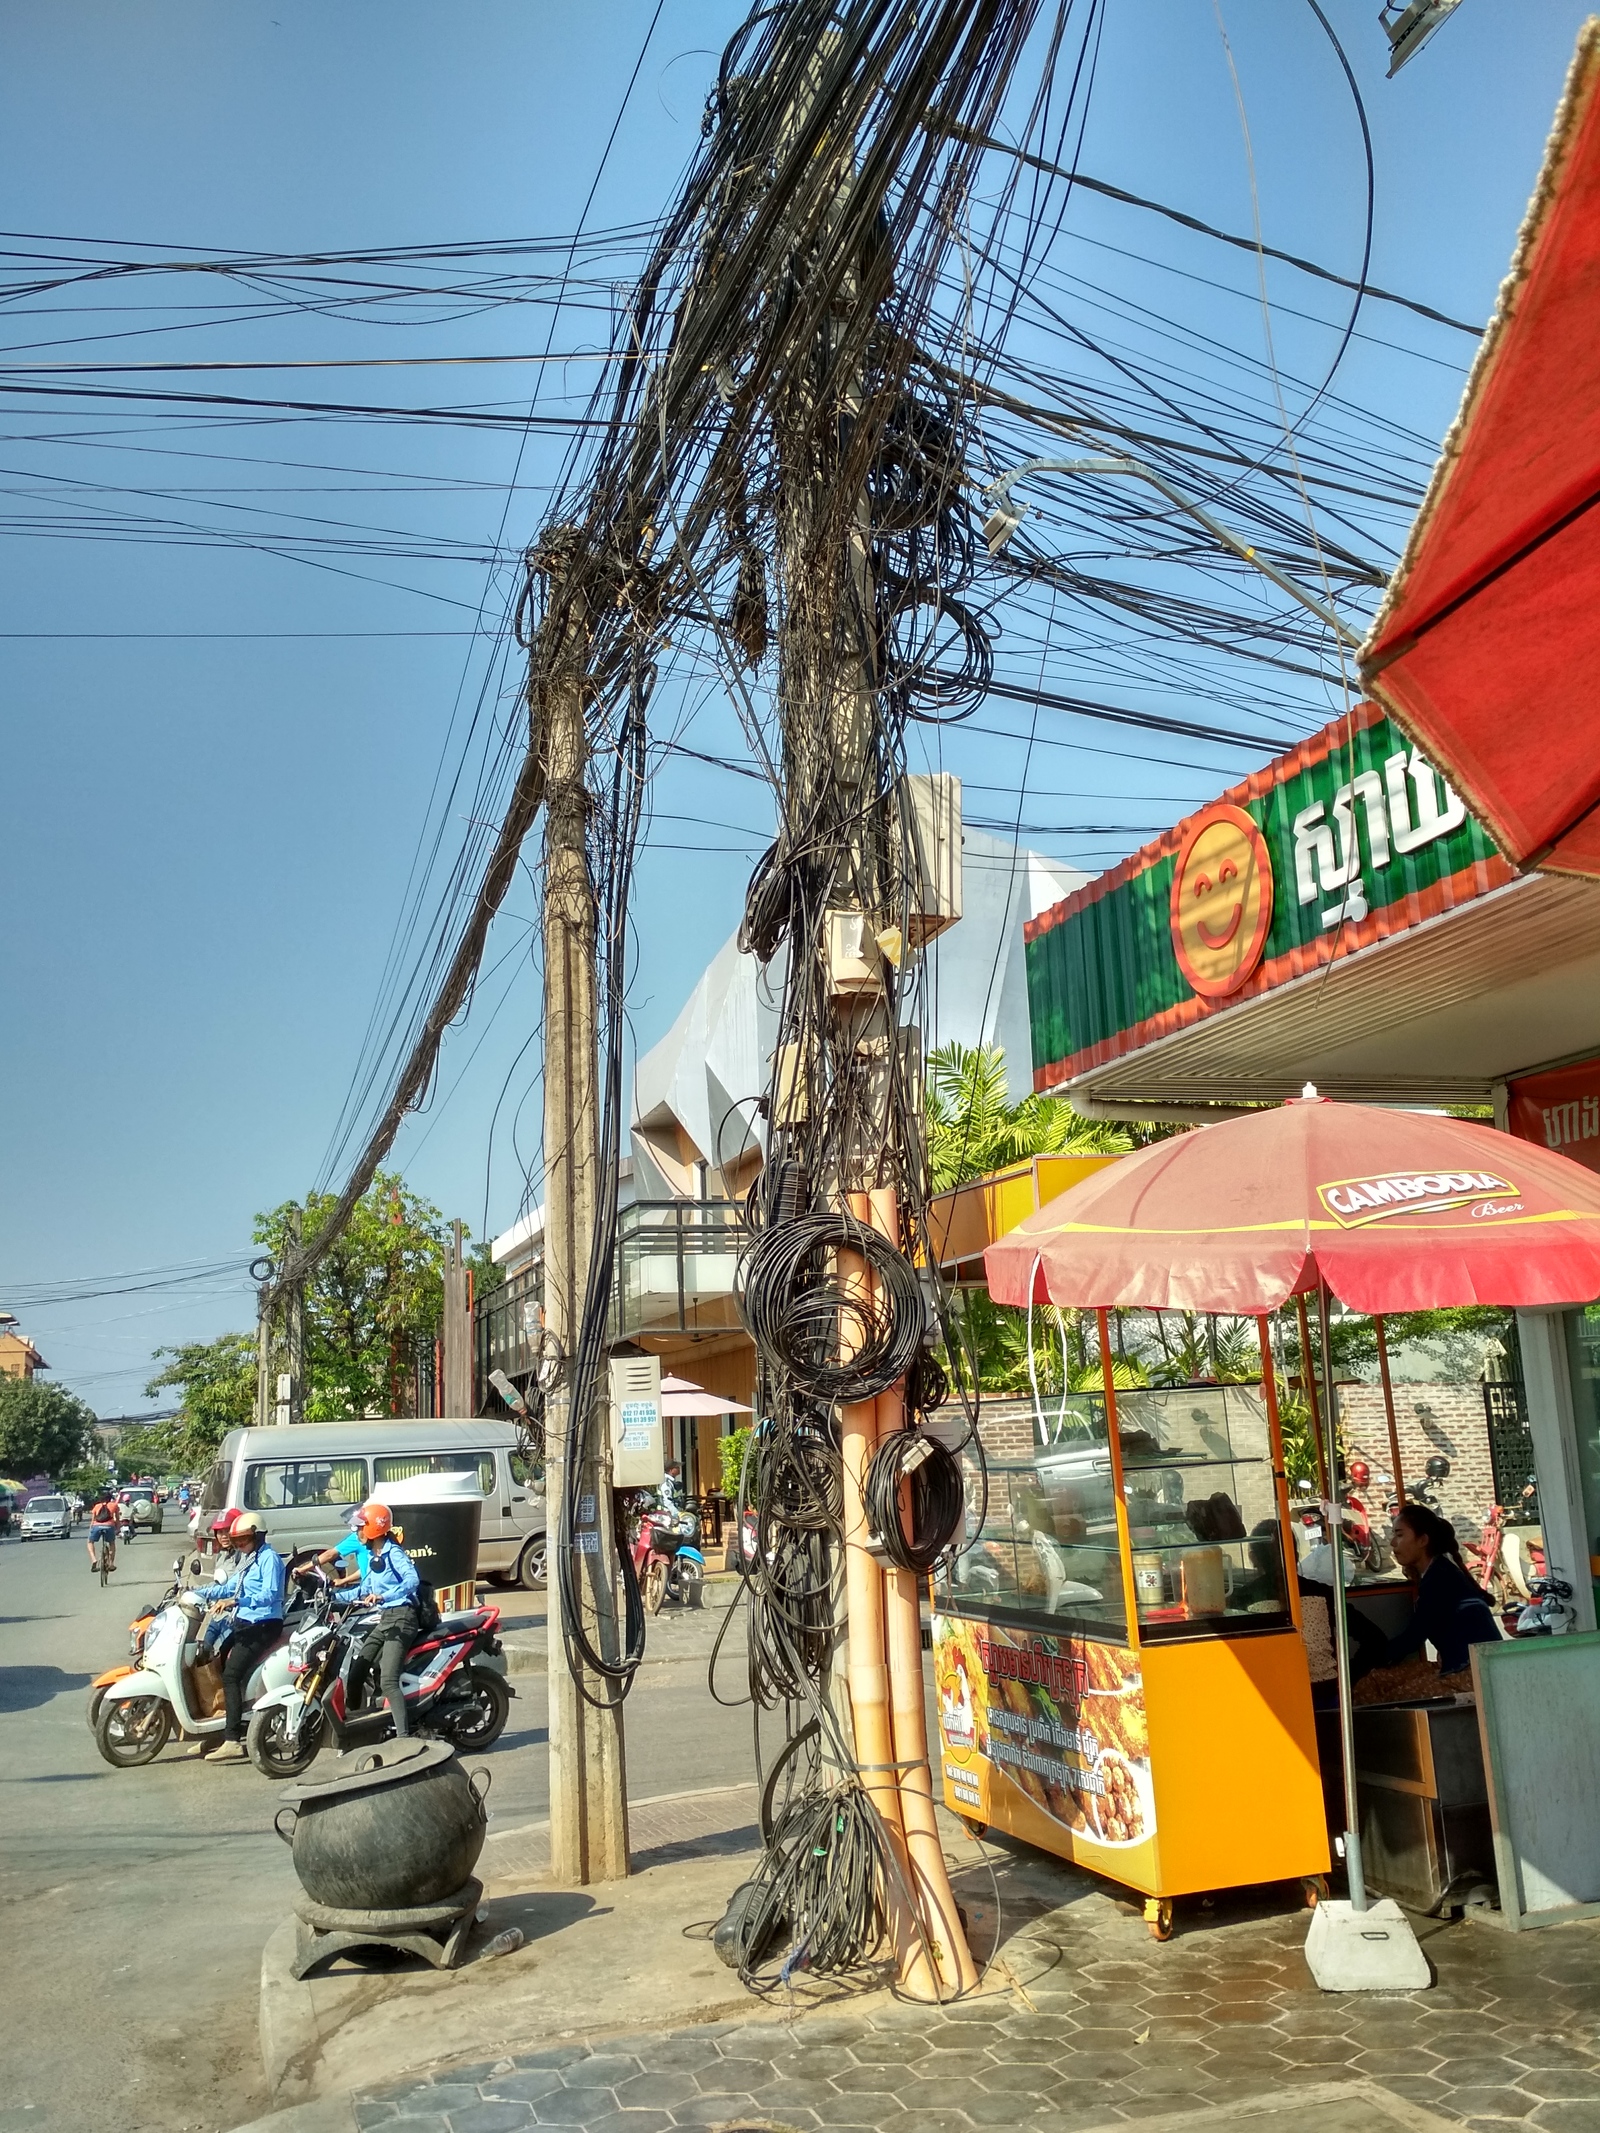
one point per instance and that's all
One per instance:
(453, 1678)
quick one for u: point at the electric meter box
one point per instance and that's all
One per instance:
(638, 1460)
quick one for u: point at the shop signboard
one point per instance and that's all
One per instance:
(1561, 1110)
(1349, 839)
(1046, 1735)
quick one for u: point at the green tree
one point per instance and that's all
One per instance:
(376, 1294)
(44, 1429)
(216, 1385)
(974, 1128)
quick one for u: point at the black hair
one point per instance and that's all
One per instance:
(1438, 1532)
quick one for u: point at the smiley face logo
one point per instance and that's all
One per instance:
(1221, 901)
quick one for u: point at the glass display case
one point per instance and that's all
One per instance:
(1204, 1525)
(1046, 1542)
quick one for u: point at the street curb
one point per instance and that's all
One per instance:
(325, 2114)
(522, 1659)
(286, 2024)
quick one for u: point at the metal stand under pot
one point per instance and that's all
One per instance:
(385, 1851)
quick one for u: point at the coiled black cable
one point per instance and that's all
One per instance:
(934, 1504)
(793, 1301)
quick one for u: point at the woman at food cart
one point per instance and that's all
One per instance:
(1452, 1612)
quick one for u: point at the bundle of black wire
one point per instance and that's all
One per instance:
(793, 1302)
(933, 1505)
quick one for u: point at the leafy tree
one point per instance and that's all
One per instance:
(44, 1429)
(216, 1384)
(730, 1453)
(974, 1128)
(377, 1293)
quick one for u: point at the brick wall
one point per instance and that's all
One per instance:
(1430, 1420)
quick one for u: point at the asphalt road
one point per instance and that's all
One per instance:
(134, 1903)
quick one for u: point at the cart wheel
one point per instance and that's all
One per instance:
(1316, 1888)
(977, 1831)
(1158, 1916)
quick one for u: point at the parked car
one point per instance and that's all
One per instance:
(47, 1518)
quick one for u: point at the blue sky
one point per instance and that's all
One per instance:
(219, 758)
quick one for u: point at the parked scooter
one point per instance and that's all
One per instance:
(453, 1679)
(141, 1707)
(667, 1557)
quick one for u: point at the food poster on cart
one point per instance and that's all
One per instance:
(1045, 1735)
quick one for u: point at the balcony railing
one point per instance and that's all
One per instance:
(505, 1331)
(675, 1266)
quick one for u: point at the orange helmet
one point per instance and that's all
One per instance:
(374, 1522)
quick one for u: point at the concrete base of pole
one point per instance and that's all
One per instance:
(1373, 1950)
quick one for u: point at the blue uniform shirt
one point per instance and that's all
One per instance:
(391, 1577)
(258, 1583)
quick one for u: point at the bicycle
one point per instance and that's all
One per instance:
(105, 1555)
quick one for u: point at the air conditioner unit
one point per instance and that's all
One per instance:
(637, 1457)
(928, 806)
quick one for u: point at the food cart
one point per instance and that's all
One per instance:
(1118, 1656)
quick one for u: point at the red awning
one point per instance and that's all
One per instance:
(1487, 647)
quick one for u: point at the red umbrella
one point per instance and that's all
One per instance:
(1395, 1210)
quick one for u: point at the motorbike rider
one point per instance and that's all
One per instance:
(218, 1624)
(103, 1527)
(255, 1584)
(390, 1583)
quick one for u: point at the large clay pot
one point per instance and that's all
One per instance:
(398, 1826)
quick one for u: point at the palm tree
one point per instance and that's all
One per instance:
(973, 1128)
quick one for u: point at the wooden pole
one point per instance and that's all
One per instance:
(1280, 1480)
(1308, 1385)
(1388, 1410)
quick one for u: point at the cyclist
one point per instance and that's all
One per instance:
(103, 1529)
(390, 1583)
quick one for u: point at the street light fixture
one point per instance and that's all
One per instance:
(1408, 24)
(1005, 517)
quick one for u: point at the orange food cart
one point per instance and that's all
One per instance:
(1118, 1655)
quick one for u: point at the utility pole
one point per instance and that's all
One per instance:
(281, 1339)
(588, 1798)
(457, 1330)
(832, 774)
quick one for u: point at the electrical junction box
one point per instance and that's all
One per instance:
(855, 960)
(929, 808)
(638, 1460)
(790, 1096)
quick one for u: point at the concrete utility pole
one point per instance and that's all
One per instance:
(457, 1329)
(281, 1342)
(588, 1797)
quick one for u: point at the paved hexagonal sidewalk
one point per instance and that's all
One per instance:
(1085, 2021)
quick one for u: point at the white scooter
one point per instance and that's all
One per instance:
(139, 1712)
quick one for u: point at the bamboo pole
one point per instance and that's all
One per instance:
(941, 1931)
(866, 1672)
(1388, 1410)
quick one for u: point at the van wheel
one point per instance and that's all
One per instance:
(532, 1566)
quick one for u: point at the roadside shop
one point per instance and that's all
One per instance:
(1341, 918)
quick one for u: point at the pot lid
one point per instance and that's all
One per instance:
(369, 1769)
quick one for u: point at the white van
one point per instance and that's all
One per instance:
(306, 1480)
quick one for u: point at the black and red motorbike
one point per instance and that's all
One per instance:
(453, 1678)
